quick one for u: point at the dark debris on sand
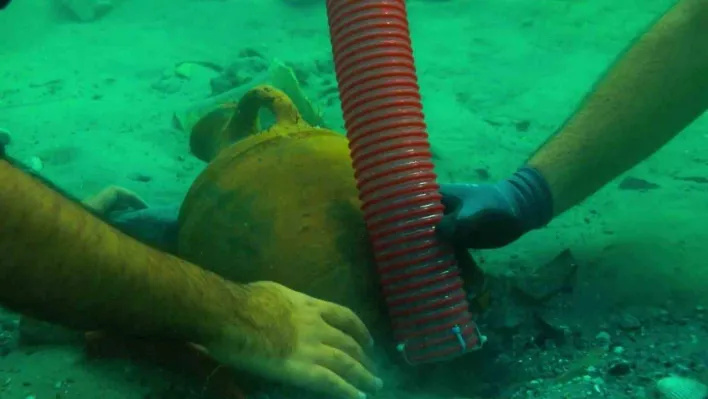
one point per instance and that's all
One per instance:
(549, 339)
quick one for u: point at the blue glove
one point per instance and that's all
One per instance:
(155, 226)
(483, 216)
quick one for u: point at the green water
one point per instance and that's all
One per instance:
(92, 103)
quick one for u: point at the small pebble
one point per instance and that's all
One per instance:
(619, 367)
(628, 322)
(675, 387)
(35, 163)
(5, 137)
(143, 178)
(603, 336)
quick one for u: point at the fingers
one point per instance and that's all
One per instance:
(339, 340)
(350, 371)
(454, 189)
(115, 198)
(129, 199)
(343, 353)
(447, 226)
(346, 321)
(451, 203)
(326, 381)
(489, 230)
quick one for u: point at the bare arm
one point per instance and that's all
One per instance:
(650, 95)
(61, 263)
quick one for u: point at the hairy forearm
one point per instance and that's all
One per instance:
(656, 89)
(60, 263)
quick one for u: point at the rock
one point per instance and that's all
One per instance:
(603, 337)
(627, 322)
(5, 137)
(552, 326)
(675, 387)
(35, 164)
(87, 10)
(550, 279)
(192, 69)
(619, 367)
(507, 320)
(168, 85)
(636, 184)
(250, 64)
(141, 177)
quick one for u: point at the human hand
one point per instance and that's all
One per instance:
(156, 226)
(114, 199)
(483, 216)
(478, 216)
(303, 341)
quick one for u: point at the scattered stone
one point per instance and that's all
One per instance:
(693, 179)
(250, 64)
(143, 178)
(619, 367)
(603, 337)
(35, 164)
(88, 10)
(637, 184)
(522, 126)
(549, 280)
(552, 327)
(168, 85)
(628, 322)
(482, 174)
(547, 342)
(508, 321)
(5, 137)
(675, 387)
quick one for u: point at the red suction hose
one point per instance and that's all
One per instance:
(389, 146)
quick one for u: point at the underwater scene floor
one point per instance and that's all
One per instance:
(608, 301)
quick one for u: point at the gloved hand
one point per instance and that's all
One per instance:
(114, 199)
(492, 215)
(155, 226)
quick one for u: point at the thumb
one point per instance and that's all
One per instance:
(129, 199)
(488, 229)
(447, 227)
